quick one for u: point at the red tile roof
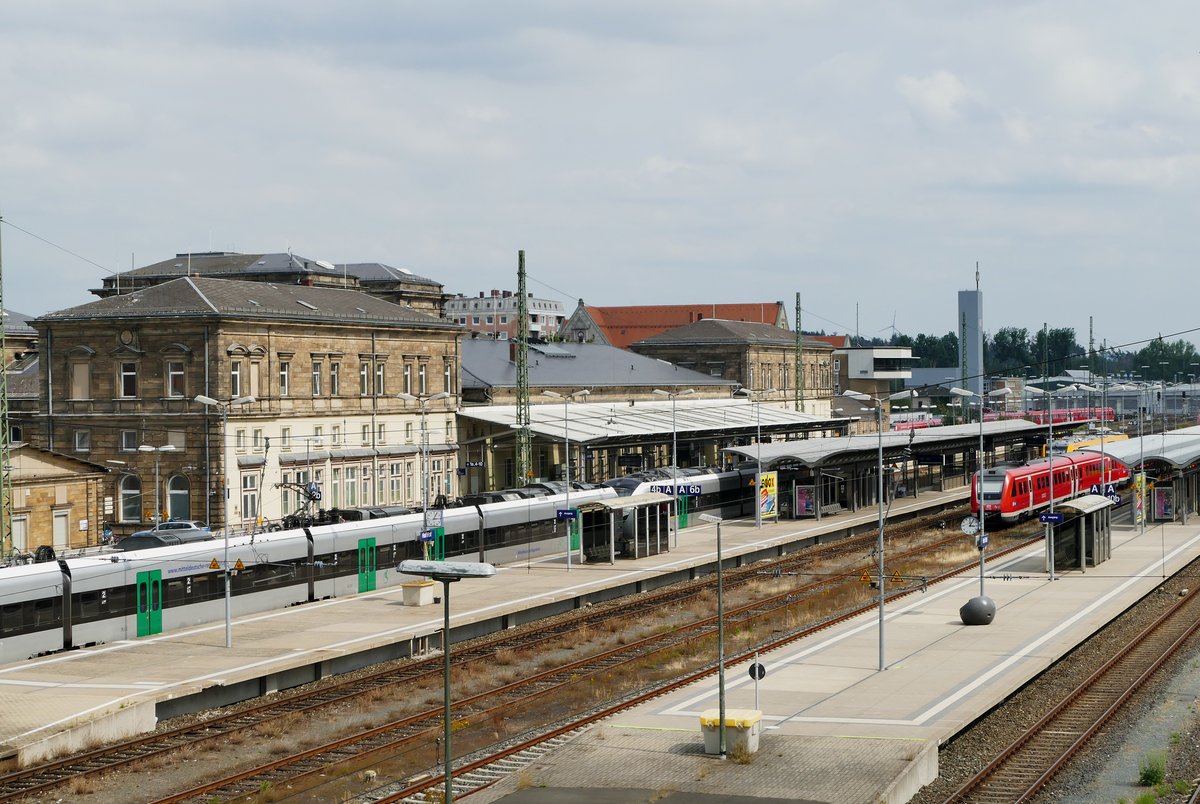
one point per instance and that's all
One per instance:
(624, 325)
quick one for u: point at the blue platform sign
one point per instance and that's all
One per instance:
(474, 464)
(426, 536)
(1056, 518)
(566, 513)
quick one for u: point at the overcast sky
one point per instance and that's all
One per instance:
(864, 154)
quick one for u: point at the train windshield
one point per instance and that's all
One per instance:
(624, 486)
(992, 487)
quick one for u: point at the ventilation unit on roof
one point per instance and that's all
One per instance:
(328, 266)
(305, 304)
(361, 310)
(252, 301)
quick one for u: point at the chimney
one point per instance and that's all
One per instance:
(512, 351)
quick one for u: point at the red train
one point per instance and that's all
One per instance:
(1012, 493)
(1064, 415)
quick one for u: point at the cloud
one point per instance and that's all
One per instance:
(935, 98)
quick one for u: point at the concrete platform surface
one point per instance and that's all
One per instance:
(837, 729)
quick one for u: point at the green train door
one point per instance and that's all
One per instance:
(683, 512)
(149, 603)
(366, 565)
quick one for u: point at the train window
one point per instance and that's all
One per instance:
(12, 618)
(45, 612)
(88, 606)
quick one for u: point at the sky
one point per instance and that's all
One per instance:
(866, 155)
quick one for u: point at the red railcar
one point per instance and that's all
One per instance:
(1065, 415)
(1012, 493)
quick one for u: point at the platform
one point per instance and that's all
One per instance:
(834, 725)
(837, 729)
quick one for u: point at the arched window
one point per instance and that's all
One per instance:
(179, 503)
(131, 499)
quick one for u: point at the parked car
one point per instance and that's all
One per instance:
(149, 539)
(175, 526)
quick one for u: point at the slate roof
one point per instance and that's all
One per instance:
(486, 364)
(218, 298)
(230, 265)
(624, 325)
(716, 331)
(18, 324)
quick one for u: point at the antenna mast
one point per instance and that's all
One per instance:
(524, 467)
(6, 537)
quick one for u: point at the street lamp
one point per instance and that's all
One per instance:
(1000, 392)
(424, 402)
(447, 572)
(674, 454)
(720, 634)
(567, 457)
(224, 406)
(861, 397)
(156, 450)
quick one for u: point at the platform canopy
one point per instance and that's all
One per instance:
(1179, 448)
(815, 452)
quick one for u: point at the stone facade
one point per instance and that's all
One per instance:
(58, 501)
(120, 376)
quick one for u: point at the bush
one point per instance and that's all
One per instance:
(1152, 769)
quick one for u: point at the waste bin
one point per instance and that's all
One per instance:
(742, 727)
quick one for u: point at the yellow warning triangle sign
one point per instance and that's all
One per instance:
(239, 565)
(866, 576)
(214, 565)
(895, 577)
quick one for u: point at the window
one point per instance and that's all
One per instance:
(15, 434)
(286, 493)
(364, 379)
(235, 379)
(178, 497)
(408, 431)
(175, 386)
(351, 486)
(239, 440)
(335, 377)
(408, 378)
(129, 441)
(249, 496)
(421, 378)
(397, 487)
(177, 439)
(128, 380)
(253, 390)
(474, 319)
(81, 381)
(256, 439)
(448, 377)
(381, 434)
(489, 320)
(336, 434)
(316, 375)
(379, 379)
(336, 487)
(319, 434)
(285, 371)
(83, 440)
(366, 434)
(131, 499)
(285, 438)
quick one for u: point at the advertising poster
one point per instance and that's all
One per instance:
(768, 500)
(804, 500)
(1164, 508)
(1139, 502)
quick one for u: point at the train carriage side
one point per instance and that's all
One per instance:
(31, 611)
(353, 557)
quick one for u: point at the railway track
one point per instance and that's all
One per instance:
(429, 671)
(1026, 765)
(487, 761)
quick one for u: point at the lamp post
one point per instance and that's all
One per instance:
(983, 541)
(447, 572)
(156, 450)
(224, 406)
(567, 457)
(674, 454)
(424, 403)
(861, 397)
(720, 634)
